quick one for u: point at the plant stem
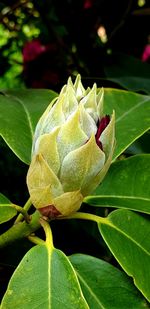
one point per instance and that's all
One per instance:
(22, 211)
(48, 233)
(20, 230)
(87, 216)
(26, 208)
(24, 229)
(36, 240)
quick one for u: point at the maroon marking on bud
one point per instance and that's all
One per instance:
(49, 211)
(101, 125)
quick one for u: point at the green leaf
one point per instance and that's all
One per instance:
(132, 116)
(141, 145)
(44, 279)
(6, 212)
(126, 185)
(104, 286)
(129, 72)
(19, 113)
(127, 236)
(4, 199)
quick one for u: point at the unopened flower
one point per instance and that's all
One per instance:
(72, 150)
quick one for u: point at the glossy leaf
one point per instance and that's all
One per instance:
(127, 236)
(129, 72)
(44, 279)
(141, 145)
(132, 116)
(6, 212)
(104, 286)
(19, 113)
(4, 199)
(127, 185)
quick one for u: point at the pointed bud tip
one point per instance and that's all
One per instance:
(102, 124)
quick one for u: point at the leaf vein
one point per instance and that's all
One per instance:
(28, 116)
(128, 236)
(90, 290)
(131, 109)
(118, 196)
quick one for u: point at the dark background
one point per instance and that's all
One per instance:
(47, 41)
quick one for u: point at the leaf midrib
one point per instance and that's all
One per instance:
(132, 109)
(90, 290)
(27, 115)
(119, 196)
(111, 224)
(49, 274)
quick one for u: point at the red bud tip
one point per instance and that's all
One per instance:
(49, 211)
(101, 125)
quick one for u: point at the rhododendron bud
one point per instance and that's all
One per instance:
(72, 150)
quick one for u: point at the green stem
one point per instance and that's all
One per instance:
(36, 240)
(26, 208)
(22, 211)
(87, 216)
(24, 229)
(48, 233)
(20, 230)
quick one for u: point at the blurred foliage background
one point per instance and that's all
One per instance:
(43, 42)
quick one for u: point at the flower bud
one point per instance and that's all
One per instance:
(72, 150)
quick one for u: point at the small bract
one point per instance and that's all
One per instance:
(72, 150)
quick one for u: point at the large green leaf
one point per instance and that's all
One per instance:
(19, 113)
(127, 185)
(129, 72)
(141, 145)
(4, 199)
(132, 116)
(44, 279)
(7, 212)
(127, 235)
(104, 286)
